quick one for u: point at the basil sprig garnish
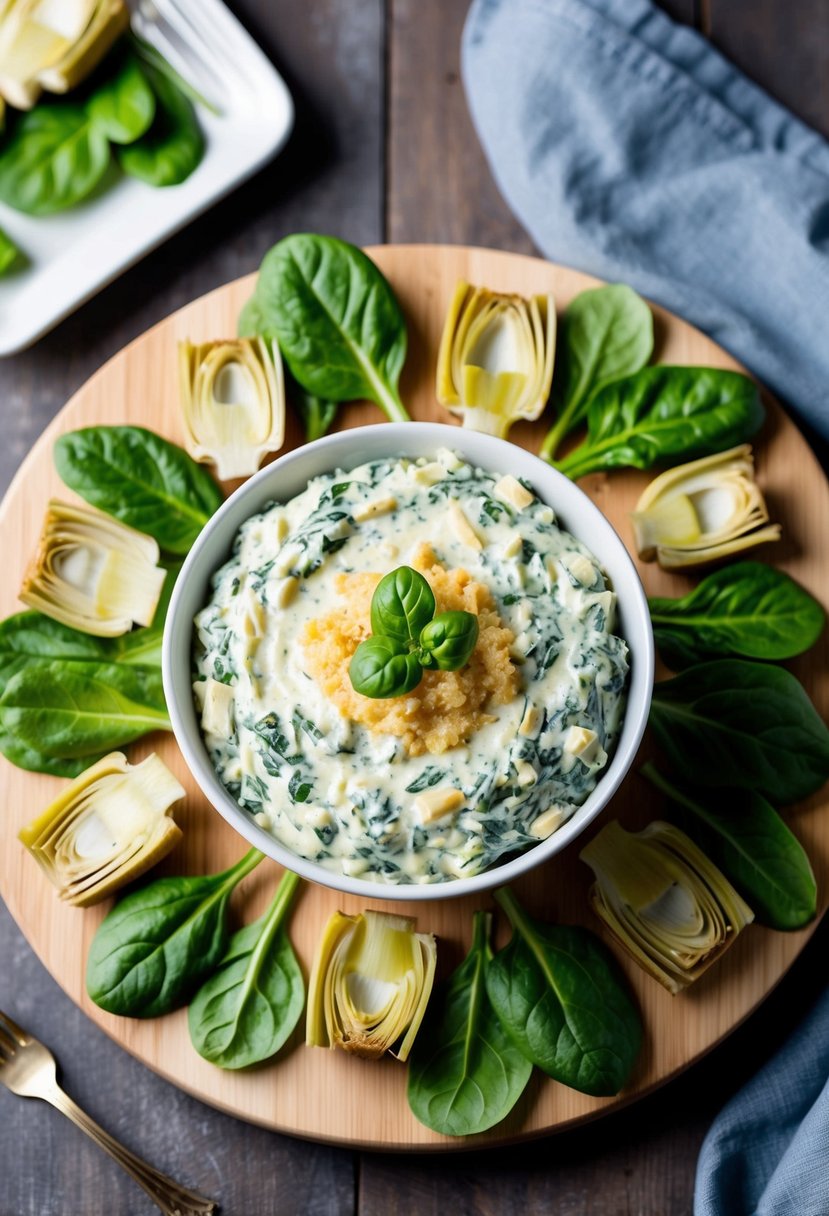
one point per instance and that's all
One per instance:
(407, 636)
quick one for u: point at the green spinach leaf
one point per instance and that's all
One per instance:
(749, 725)
(22, 756)
(465, 1074)
(744, 835)
(54, 157)
(141, 479)
(158, 942)
(336, 319)
(746, 609)
(665, 413)
(316, 413)
(10, 255)
(122, 104)
(605, 333)
(564, 1003)
(250, 1005)
(173, 147)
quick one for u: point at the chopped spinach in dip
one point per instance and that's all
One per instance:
(354, 800)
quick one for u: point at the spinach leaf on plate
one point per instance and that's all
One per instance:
(605, 333)
(141, 479)
(747, 609)
(173, 146)
(746, 838)
(54, 157)
(121, 103)
(665, 413)
(465, 1074)
(250, 1005)
(160, 941)
(731, 722)
(564, 1003)
(10, 255)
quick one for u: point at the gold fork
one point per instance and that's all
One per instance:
(28, 1069)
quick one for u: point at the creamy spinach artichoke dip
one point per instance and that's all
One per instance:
(472, 764)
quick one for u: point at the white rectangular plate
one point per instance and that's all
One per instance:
(73, 255)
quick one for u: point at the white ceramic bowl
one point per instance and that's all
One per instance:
(288, 476)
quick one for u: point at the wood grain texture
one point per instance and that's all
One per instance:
(326, 1095)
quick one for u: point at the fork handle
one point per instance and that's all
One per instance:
(166, 1193)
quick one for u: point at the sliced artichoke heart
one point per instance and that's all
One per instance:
(92, 572)
(663, 900)
(702, 511)
(495, 363)
(233, 403)
(370, 984)
(110, 825)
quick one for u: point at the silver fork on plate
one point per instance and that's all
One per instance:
(28, 1069)
(198, 38)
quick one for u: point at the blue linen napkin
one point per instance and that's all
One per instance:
(630, 149)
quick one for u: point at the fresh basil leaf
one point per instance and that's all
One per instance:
(564, 1003)
(122, 104)
(249, 1006)
(54, 157)
(336, 319)
(605, 333)
(465, 1075)
(68, 710)
(158, 942)
(448, 640)
(665, 413)
(173, 146)
(10, 255)
(749, 725)
(382, 668)
(141, 479)
(746, 609)
(746, 838)
(403, 602)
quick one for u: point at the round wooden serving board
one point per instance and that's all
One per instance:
(328, 1095)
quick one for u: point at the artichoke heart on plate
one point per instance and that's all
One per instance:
(110, 825)
(702, 511)
(92, 572)
(233, 402)
(54, 44)
(495, 363)
(663, 900)
(370, 984)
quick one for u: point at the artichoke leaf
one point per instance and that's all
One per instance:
(92, 572)
(110, 825)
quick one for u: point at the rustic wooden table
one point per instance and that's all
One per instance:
(383, 151)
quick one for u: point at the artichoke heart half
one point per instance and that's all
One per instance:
(663, 900)
(54, 44)
(92, 572)
(702, 511)
(370, 984)
(108, 826)
(233, 401)
(495, 363)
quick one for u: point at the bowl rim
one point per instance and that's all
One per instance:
(178, 627)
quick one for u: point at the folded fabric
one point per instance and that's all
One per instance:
(767, 1153)
(630, 149)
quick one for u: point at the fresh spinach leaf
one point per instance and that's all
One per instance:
(250, 1005)
(10, 255)
(605, 333)
(746, 609)
(316, 413)
(402, 604)
(336, 319)
(744, 835)
(122, 104)
(564, 1003)
(158, 942)
(29, 758)
(382, 667)
(665, 413)
(749, 725)
(173, 146)
(465, 1074)
(54, 157)
(66, 711)
(141, 479)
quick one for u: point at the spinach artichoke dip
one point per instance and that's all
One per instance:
(473, 764)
